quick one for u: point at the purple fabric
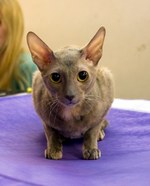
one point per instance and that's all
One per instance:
(125, 150)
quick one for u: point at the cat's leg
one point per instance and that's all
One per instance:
(90, 146)
(103, 125)
(54, 144)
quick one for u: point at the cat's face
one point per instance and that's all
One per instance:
(69, 77)
(70, 73)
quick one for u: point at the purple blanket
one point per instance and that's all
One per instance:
(125, 150)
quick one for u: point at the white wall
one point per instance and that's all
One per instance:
(127, 45)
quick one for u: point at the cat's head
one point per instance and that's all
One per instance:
(70, 73)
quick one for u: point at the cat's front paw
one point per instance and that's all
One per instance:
(91, 154)
(55, 155)
(101, 135)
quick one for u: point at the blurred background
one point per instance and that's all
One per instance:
(127, 44)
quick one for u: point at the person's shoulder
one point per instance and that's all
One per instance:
(26, 61)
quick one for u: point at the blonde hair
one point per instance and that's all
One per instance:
(9, 63)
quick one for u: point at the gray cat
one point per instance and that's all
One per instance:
(71, 94)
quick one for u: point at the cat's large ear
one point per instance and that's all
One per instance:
(93, 51)
(42, 55)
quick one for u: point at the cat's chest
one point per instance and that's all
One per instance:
(71, 125)
(74, 128)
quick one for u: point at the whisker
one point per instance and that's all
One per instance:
(88, 103)
(52, 107)
(57, 107)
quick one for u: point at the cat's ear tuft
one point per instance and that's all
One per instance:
(42, 55)
(93, 50)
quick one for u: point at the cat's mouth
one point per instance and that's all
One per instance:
(69, 103)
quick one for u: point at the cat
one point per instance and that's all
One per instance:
(71, 93)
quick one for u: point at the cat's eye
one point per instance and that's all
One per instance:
(55, 77)
(82, 76)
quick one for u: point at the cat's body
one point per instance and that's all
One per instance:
(71, 94)
(73, 122)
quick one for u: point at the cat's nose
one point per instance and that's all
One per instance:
(69, 97)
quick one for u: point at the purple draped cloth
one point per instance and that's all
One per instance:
(125, 150)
